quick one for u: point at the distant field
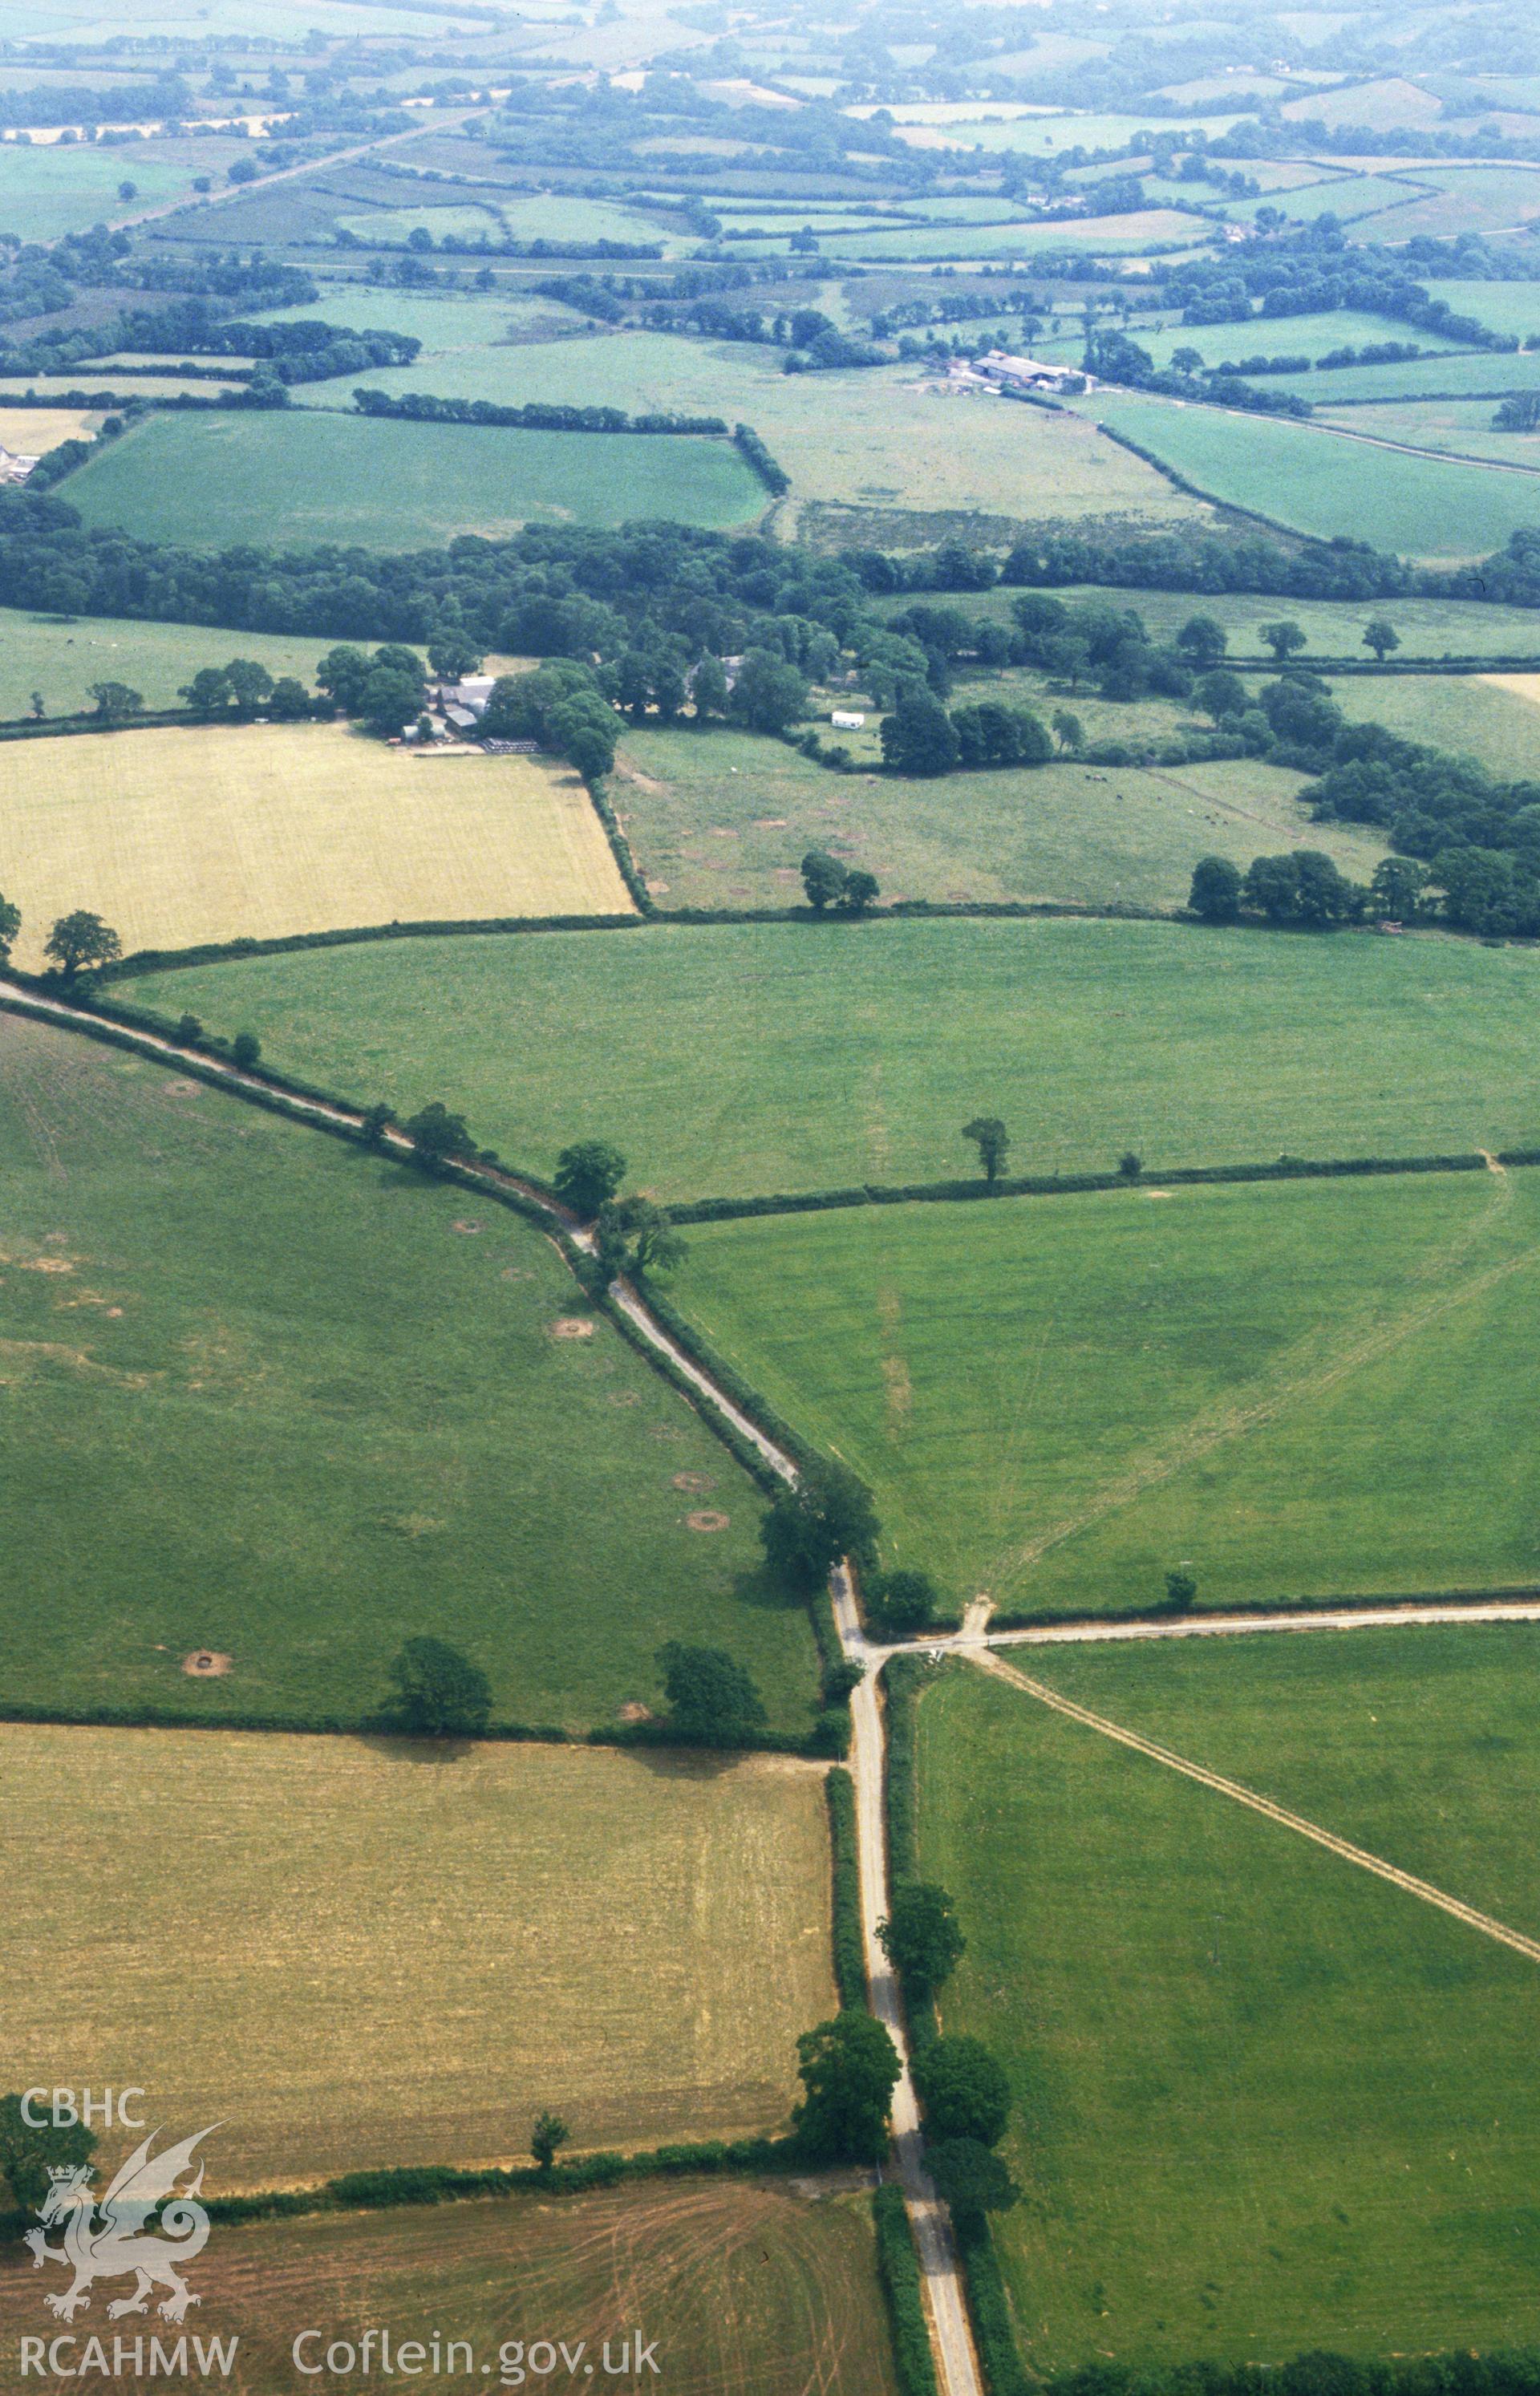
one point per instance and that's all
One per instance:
(217, 832)
(1311, 337)
(1472, 199)
(1460, 427)
(1350, 197)
(1209, 2021)
(744, 2288)
(1430, 628)
(1475, 715)
(31, 431)
(1502, 307)
(62, 655)
(1109, 236)
(726, 816)
(94, 378)
(1475, 372)
(442, 321)
(635, 1943)
(749, 1059)
(273, 1397)
(46, 192)
(302, 477)
(1313, 480)
(971, 126)
(1388, 106)
(1058, 1402)
(547, 217)
(872, 439)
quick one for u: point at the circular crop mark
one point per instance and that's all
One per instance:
(706, 1519)
(205, 1664)
(696, 1481)
(572, 1326)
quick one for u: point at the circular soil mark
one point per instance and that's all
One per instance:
(572, 1326)
(706, 1519)
(205, 1664)
(625, 1398)
(698, 1482)
(658, 889)
(516, 1272)
(180, 1089)
(469, 1229)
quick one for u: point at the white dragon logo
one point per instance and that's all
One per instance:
(120, 2245)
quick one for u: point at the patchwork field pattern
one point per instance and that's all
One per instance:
(609, 1920)
(177, 837)
(275, 1398)
(1060, 1400)
(1391, 2202)
(740, 1059)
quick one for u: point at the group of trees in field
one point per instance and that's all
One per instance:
(831, 883)
(1304, 889)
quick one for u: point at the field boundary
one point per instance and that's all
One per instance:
(1283, 1815)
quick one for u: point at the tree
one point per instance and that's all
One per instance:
(82, 940)
(963, 2089)
(116, 702)
(127, 190)
(809, 1528)
(1285, 638)
(1215, 892)
(920, 1938)
(437, 1136)
(634, 1236)
(849, 2067)
(1202, 641)
(1395, 888)
(588, 1172)
(289, 701)
(1381, 635)
(823, 879)
(29, 2154)
(1271, 887)
(440, 1694)
(250, 685)
(972, 2180)
(38, 706)
(919, 738)
(190, 1030)
(709, 1696)
(905, 1600)
(1520, 412)
(1181, 1592)
(709, 689)
(452, 654)
(373, 1125)
(1221, 693)
(390, 699)
(991, 1139)
(549, 2132)
(1068, 731)
(244, 171)
(768, 694)
(1131, 1164)
(10, 923)
(343, 673)
(861, 891)
(208, 692)
(245, 1050)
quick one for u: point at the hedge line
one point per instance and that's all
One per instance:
(1069, 1185)
(730, 1382)
(1507, 2371)
(770, 472)
(990, 2309)
(849, 1947)
(534, 416)
(158, 1717)
(1303, 1606)
(214, 953)
(903, 1678)
(898, 2270)
(1196, 491)
(620, 849)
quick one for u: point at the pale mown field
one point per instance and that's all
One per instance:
(29, 432)
(352, 1953)
(181, 835)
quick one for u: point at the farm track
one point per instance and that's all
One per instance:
(1288, 1821)
(957, 2365)
(1342, 432)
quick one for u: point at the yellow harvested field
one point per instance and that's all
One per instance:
(30, 432)
(1522, 685)
(356, 1953)
(181, 835)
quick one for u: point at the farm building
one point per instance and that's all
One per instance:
(1008, 373)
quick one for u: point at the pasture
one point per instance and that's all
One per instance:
(725, 817)
(368, 1953)
(222, 831)
(1208, 2021)
(46, 191)
(1391, 105)
(1309, 337)
(1459, 427)
(1332, 627)
(1502, 307)
(742, 2288)
(297, 477)
(62, 655)
(1060, 1401)
(1472, 199)
(1493, 718)
(273, 1397)
(872, 439)
(745, 1058)
(1298, 474)
(1472, 373)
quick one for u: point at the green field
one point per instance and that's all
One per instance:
(1265, 2102)
(303, 477)
(1309, 337)
(274, 1398)
(876, 439)
(1460, 427)
(1470, 715)
(638, 1941)
(48, 191)
(62, 655)
(1333, 628)
(442, 321)
(1502, 307)
(1058, 1402)
(1475, 372)
(559, 218)
(1472, 199)
(725, 817)
(741, 2288)
(1322, 484)
(1386, 106)
(746, 1058)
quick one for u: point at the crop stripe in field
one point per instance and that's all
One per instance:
(1240, 1795)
